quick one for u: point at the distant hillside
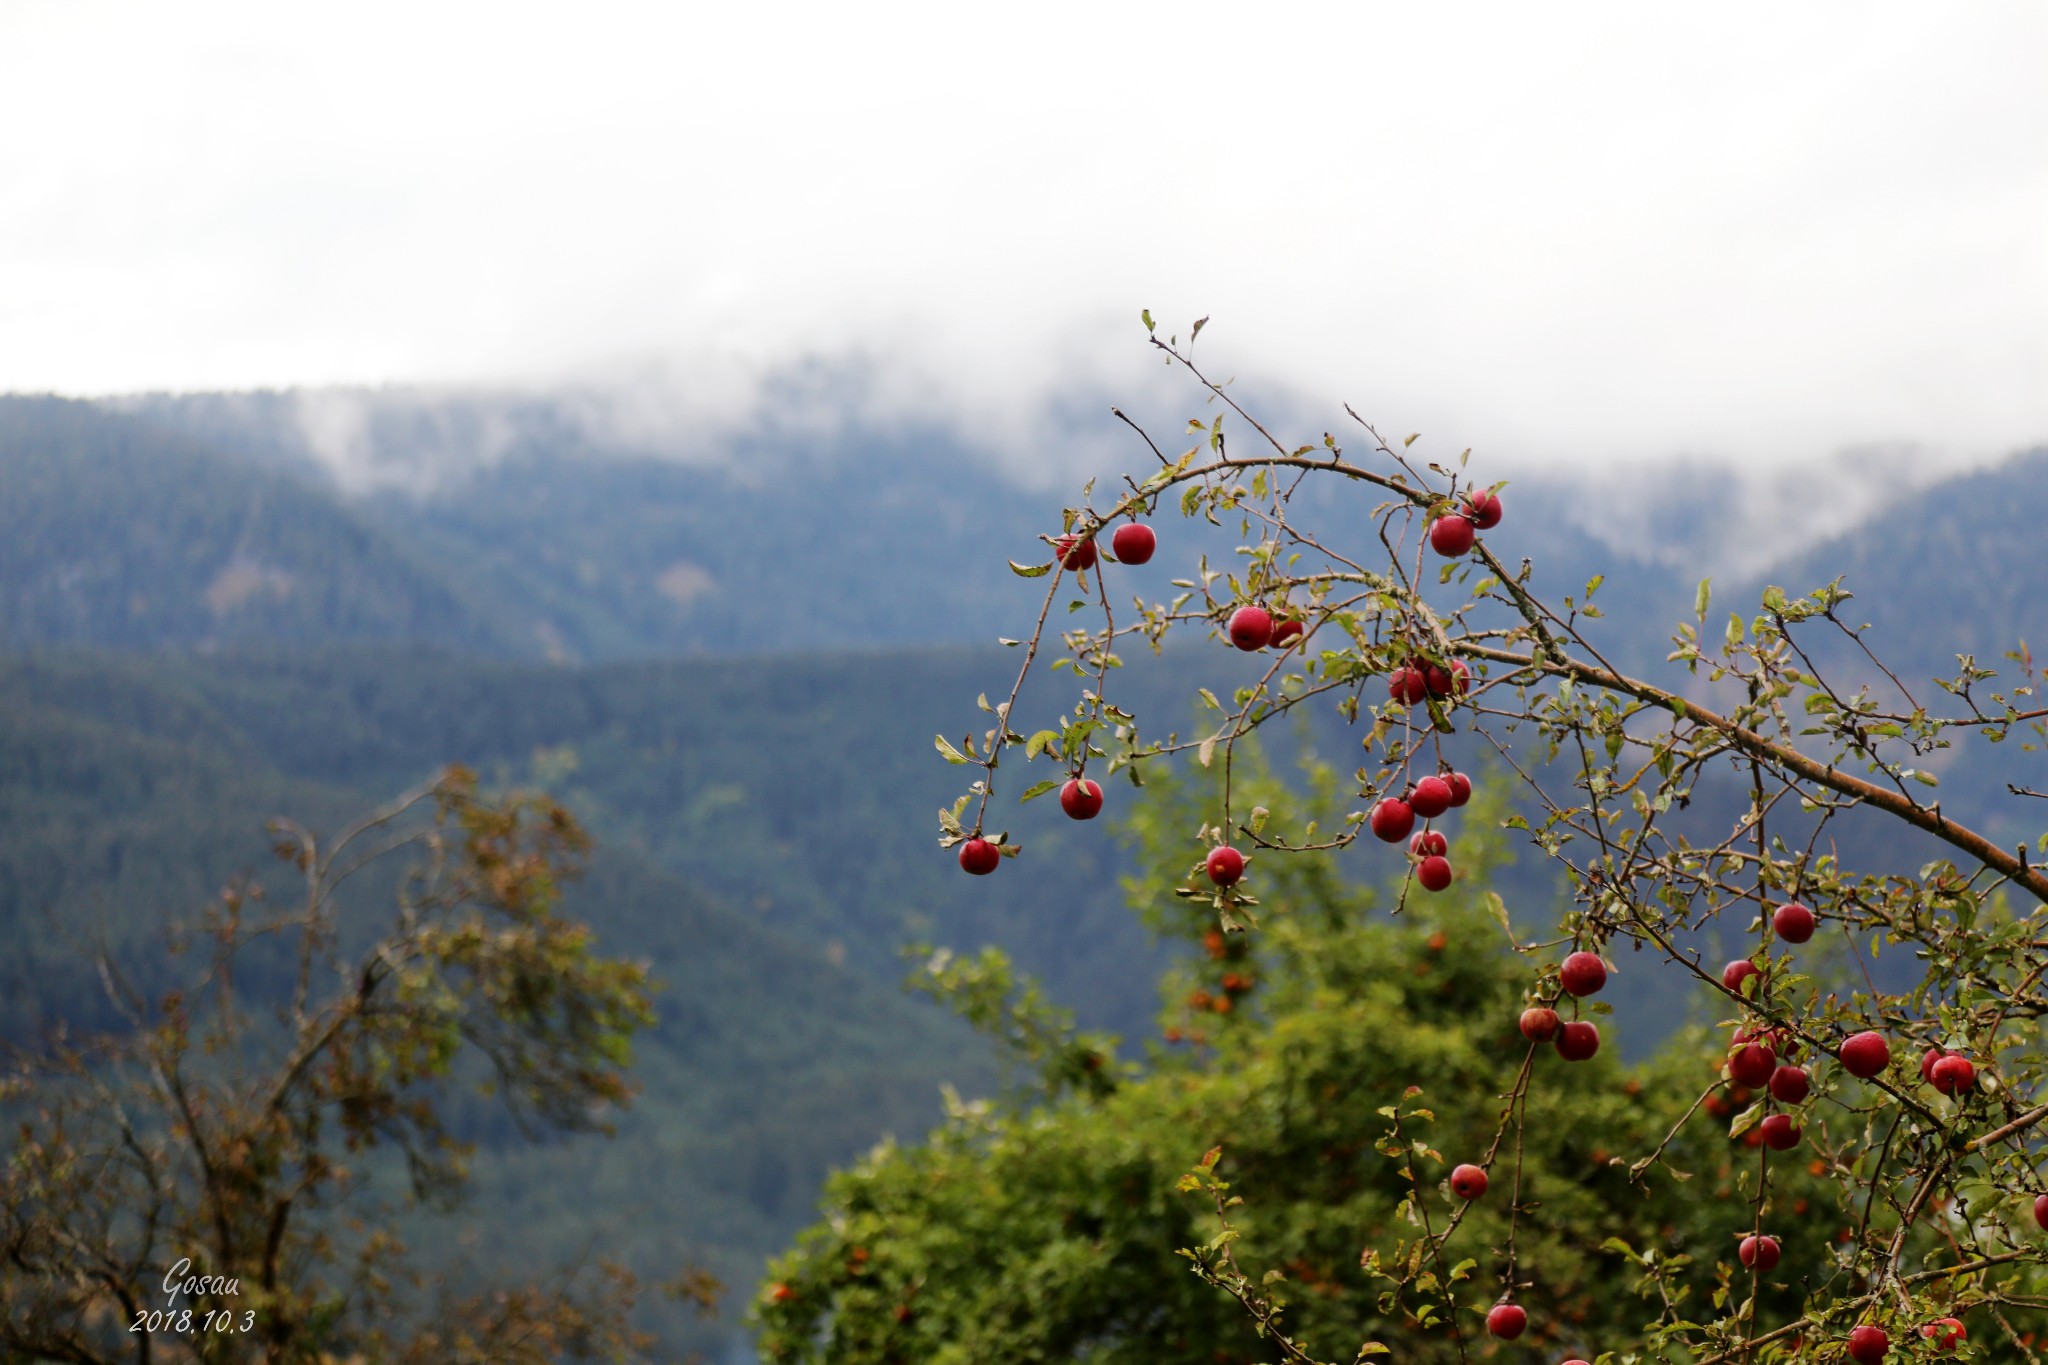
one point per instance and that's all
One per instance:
(116, 533)
(572, 541)
(600, 546)
(1958, 570)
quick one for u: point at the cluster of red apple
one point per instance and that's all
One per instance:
(1253, 628)
(1452, 535)
(1869, 1343)
(1132, 543)
(1393, 818)
(1417, 678)
(1581, 974)
(1754, 1061)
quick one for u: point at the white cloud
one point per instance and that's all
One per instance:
(1575, 234)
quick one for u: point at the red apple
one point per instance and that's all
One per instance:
(2041, 1211)
(1429, 844)
(1431, 797)
(1251, 628)
(1506, 1321)
(1954, 1074)
(1865, 1054)
(1406, 686)
(1539, 1025)
(1868, 1344)
(1752, 1064)
(1577, 1041)
(1944, 1333)
(1737, 972)
(1780, 1133)
(1434, 873)
(1583, 974)
(1075, 552)
(1226, 865)
(1483, 507)
(1759, 1253)
(1927, 1061)
(1133, 543)
(1461, 788)
(1441, 680)
(1790, 1084)
(1391, 820)
(1286, 633)
(980, 857)
(1468, 1182)
(1792, 922)
(1451, 536)
(1081, 798)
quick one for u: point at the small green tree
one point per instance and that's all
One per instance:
(192, 1189)
(1707, 802)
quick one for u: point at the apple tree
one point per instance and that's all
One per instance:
(1889, 1202)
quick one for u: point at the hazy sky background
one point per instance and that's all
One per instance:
(1582, 232)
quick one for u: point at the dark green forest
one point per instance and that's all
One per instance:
(200, 634)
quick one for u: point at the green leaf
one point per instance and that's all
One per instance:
(1746, 1120)
(1499, 908)
(1042, 742)
(1030, 570)
(1700, 598)
(1039, 788)
(948, 752)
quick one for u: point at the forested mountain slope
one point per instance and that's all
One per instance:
(116, 533)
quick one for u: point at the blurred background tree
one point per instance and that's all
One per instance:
(204, 1184)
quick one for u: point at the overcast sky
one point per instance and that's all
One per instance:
(1573, 231)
